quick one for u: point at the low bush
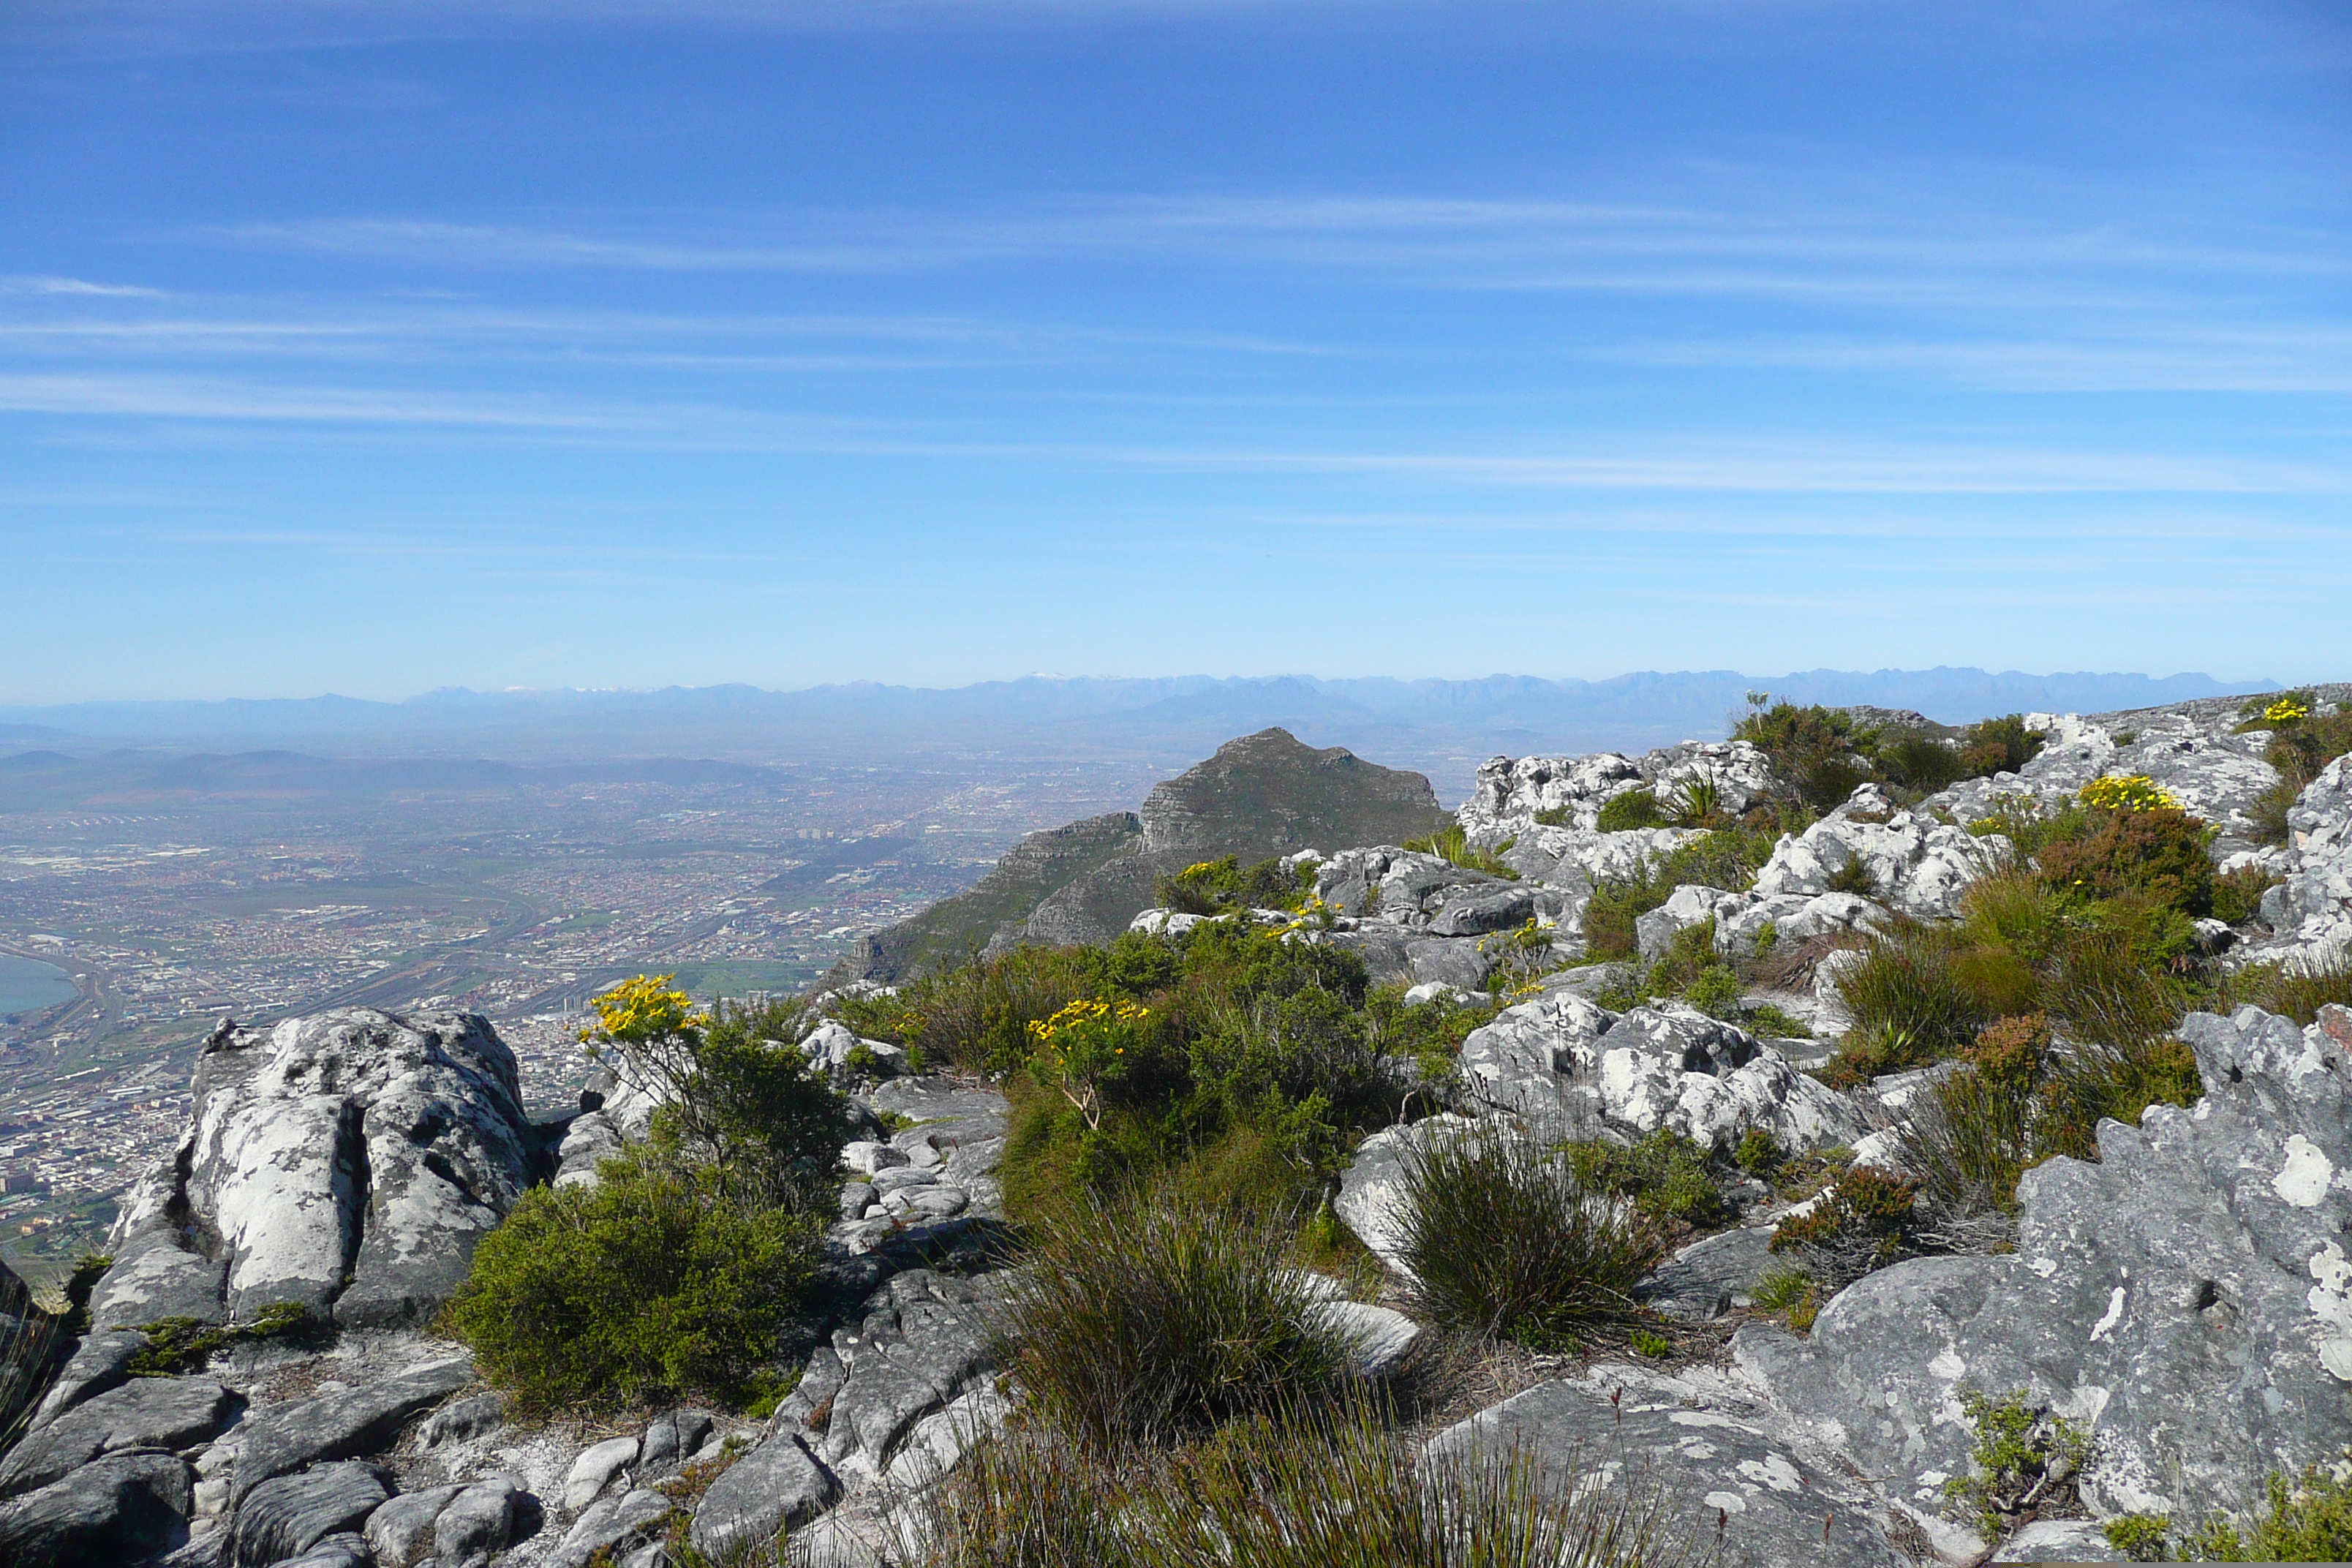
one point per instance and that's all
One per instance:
(1634, 808)
(1502, 1238)
(654, 1281)
(1726, 858)
(1155, 1320)
(2156, 852)
(2308, 1519)
(2299, 751)
(1821, 756)
(2019, 1099)
(1449, 843)
(1862, 1222)
(2237, 895)
(1666, 1176)
(1215, 886)
(2025, 1457)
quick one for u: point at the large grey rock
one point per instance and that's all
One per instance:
(341, 1425)
(463, 1418)
(476, 1524)
(672, 1440)
(1916, 863)
(145, 1412)
(101, 1362)
(923, 1342)
(1402, 886)
(2190, 1296)
(121, 1509)
(779, 1484)
(1779, 1504)
(1477, 913)
(288, 1516)
(347, 1161)
(344, 1549)
(2186, 748)
(595, 1468)
(1665, 1065)
(1711, 1275)
(1462, 962)
(400, 1531)
(1689, 905)
(588, 1143)
(2315, 906)
(623, 1524)
(1510, 792)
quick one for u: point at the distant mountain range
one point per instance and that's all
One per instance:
(1442, 727)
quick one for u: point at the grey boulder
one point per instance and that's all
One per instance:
(1563, 1056)
(290, 1515)
(1775, 1504)
(777, 1485)
(2189, 1297)
(145, 1412)
(341, 1425)
(348, 1161)
(121, 1509)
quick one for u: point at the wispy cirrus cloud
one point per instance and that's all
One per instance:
(1686, 464)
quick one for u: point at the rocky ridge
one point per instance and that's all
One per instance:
(2187, 1297)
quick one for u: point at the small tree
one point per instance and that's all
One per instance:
(730, 1097)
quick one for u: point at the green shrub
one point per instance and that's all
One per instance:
(1758, 1154)
(1726, 858)
(1864, 1221)
(2308, 1520)
(1451, 844)
(1502, 1237)
(2237, 895)
(1715, 992)
(2158, 853)
(1025, 1498)
(2019, 1099)
(1215, 886)
(1665, 1176)
(1920, 762)
(1634, 808)
(1998, 745)
(2020, 1450)
(1813, 750)
(1910, 1000)
(652, 1282)
(1154, 1320)
(2141, 1537)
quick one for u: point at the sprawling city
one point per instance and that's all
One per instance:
(518, 901)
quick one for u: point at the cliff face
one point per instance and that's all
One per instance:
(1260, 795)
(995, 907)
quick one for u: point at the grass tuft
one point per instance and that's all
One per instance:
(1504, 1238)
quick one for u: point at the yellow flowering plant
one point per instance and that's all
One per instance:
(2134, 792)
(1084, 1047)
(2288, 710)
(640, 1010)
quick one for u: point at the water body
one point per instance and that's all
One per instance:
(27, 986)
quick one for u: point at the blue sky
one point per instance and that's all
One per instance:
(376, 347)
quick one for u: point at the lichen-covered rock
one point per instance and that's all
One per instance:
(923, 1342)
(1734, 1477)
(1912, 862)
(1666, 1065)
(1510, 792)
(2315, 906)
(348, 1161)
(2186, 749)
(2190, 1296)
